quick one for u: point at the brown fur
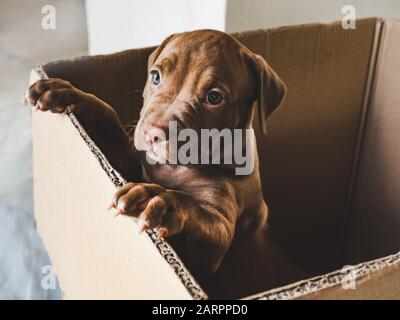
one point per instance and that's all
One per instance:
(216, 220)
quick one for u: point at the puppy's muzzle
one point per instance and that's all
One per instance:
(154, 135)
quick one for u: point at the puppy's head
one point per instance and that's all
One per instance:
(203, 79)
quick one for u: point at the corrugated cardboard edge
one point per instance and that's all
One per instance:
(163, 247)
(329, 280)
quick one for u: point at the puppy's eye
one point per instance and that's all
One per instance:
(214, 98)
(155, 77)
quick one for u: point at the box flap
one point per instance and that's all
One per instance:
(95, 254)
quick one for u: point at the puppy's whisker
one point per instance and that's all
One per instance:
(130, 128)
(131, 140)
(133, 123)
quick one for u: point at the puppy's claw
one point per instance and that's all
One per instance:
(143, 228)
(162, 233)
(111, 206)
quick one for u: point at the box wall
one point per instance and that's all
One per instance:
(374, 220)
(307, 157)
(95, 254)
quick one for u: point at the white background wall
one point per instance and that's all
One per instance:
(123, 24)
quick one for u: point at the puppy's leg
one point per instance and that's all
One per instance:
(98, 118)
(208, 228)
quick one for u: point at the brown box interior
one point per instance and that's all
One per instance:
(329, 165)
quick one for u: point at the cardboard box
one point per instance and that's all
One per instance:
(330, 166)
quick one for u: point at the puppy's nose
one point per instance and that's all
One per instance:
(153, 134)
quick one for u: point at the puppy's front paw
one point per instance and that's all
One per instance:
(154, 206)
(52, 94)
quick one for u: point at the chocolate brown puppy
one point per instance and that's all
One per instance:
(216, 219)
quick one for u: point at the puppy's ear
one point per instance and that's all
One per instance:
(154, 55)
(270, 90)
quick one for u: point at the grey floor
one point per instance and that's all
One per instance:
(23, 44)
